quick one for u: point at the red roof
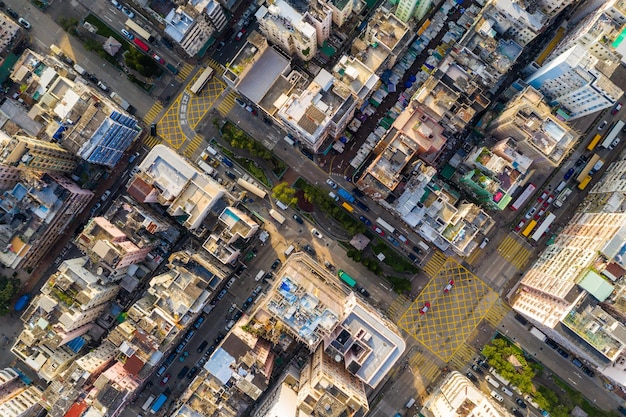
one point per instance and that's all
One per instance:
(76, 410)
(133, 365)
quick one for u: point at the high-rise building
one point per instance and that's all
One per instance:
(37, 155)
(537, 133)
(17, 399)
(408, 9)
(327, 388)
(285, 27)
(341, 11)
(572, 81)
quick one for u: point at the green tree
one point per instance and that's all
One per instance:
(284, 193)
(8, 289)
(498, 353)
(141, 63)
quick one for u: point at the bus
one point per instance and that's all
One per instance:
(583, 184)
(277, 216)
(347, 207)
(202, 80)
(134, 27)
(529, 228)
(543, 227)
(612, 134)
(346, 279)
(587, 169)
(139, 44)
(385, 225)
(257, 191)
(594, 142)
(523, 197)
(158, 404)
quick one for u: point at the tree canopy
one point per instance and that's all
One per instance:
(498, 353)
(284, 193)
(141, 63)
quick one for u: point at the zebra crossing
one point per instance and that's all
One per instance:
(184, 72)
(219, 69)
(151, 141)
(228, 102)
(398, 307)
(153, 113)
(424, 367)
(514, 252)
(462, 356)
(435, 263)
(192, 146)
(497, 312)
(473, 256)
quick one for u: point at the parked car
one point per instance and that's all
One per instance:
(165, 379)
(13, 13)
(587, 371)
(568, 174)
(331, 183)
(562, 353)
(471, 376)
(317, 234)
(477, 369)
(192, 372)
(198, 323)
(551, 343)
(530, 213)
(298, 219)
(102, 86)
(365, 220)
(363, 292)
(183, 372)
(602, 125)
(240, 34)
(542, 197)
(129, 35)
(275, 264)
(202, 346)
(378, 230)
(621, 410)
(520, 402)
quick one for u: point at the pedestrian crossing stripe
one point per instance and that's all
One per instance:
(462, 356)
(423, 367)
(184, 72)
(434, 264)
(219, 69)
(497, 312)
(398, 307)
(228, 102)
(473, 256)
(151, 141)
(514, 252)
(193, 146)
(153, 113)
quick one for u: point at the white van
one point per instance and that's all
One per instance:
(497, 396)
(146, 405)
(333, 196)
(410, 403)
(289, 250)
(507, 391)
(492, 381)
(560, 187)
(211, 151)
(259, 276)
(423, 246)
(281, 205)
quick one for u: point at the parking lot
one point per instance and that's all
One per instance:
(448, 310)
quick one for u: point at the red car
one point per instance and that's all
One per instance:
(378, 230)
(449, 286)
(165, 379)
(520, 225)
(542, 197)
(616, 108)
(426, 307)
(240, 35)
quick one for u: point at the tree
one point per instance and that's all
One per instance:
(497, 354)
(8, 288)
(284, 193)
(141, 63)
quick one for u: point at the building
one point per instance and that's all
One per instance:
(17, 399)
(513, 20)
(321, 111)
(72, 113)
(349, 330)
(327, 388)
(28, 153)
(320, 16)
(237, 228)
(572, 81)
(109, 247)
(194, 24)
(457, 397)
(167, 179)
(537, 133)
(57, 321)
(287, 28)
(492, 179)
(30, 230)
(9, 33)
(408, 9)
(342, 9)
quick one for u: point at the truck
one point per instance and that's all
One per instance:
(562, 197)
(158, 404)
(608, 140)
(119, 100)
(80, 70)
(208, 169)
(146, 405)
(21, 302)
(346, 195)
(538, 334)
(277, 216)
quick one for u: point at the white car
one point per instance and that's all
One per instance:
(530, 213)
(129, 35)
(317, 234)
(331, 183)
(25, 23)
(128, 12)
(497, 396)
